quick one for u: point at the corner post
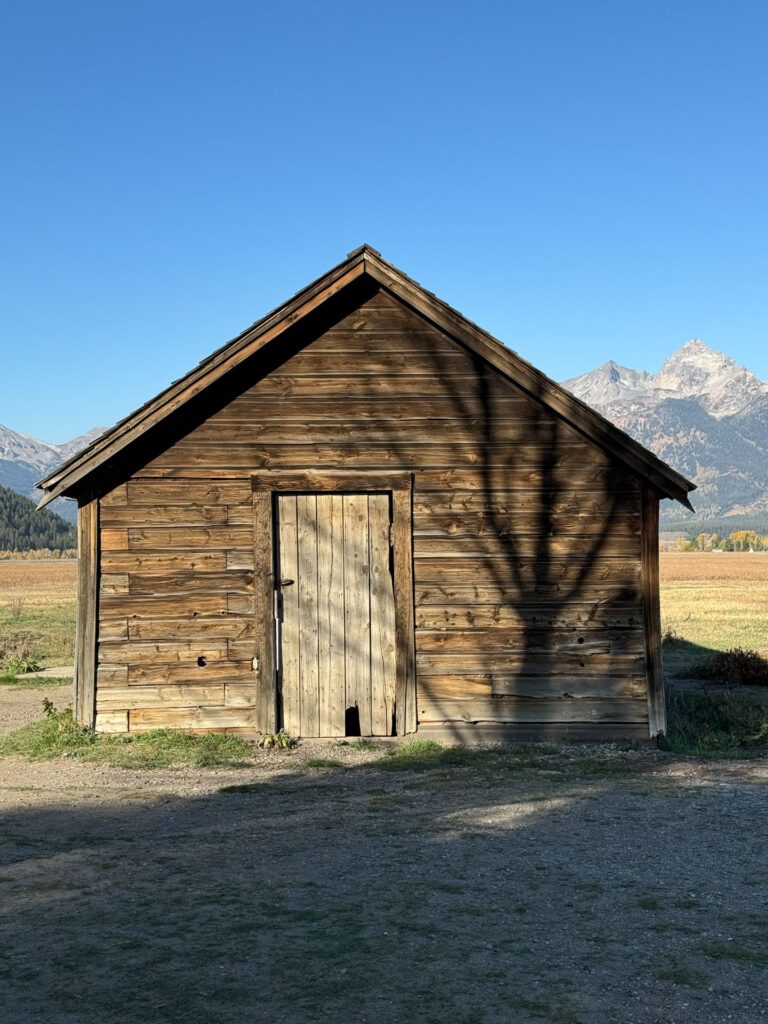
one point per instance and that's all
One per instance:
(402, 534)
(654, 673)
(87, 610)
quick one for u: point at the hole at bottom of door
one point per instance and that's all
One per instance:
(352, 721)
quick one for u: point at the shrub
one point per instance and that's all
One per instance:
(735, 667)
(18, 653)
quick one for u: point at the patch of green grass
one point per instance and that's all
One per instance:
(34, 684)
(324, 762)
(716, 725)
(361, 744)
(58, 735)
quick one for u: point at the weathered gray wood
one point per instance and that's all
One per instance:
(306, 515)
(382, 602)
(330, 601)
(357, 627)
(657, 712)
(87, 611)
(288, 555)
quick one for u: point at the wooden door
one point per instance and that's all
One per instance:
(336, 656)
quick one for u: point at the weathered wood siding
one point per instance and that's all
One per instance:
(526, 541)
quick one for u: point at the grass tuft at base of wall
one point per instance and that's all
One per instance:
(728, 724)
(59, 735)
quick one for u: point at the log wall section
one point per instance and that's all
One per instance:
(528, 591)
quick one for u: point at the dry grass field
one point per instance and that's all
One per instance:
(713, 602)
(38, 584)
(37, 611)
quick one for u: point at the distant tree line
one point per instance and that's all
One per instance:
(24, 528)
(740, 540)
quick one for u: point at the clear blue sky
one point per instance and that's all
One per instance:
(587, 180)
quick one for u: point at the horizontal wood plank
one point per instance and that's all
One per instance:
(594, 687)
(156, 584)
(162, 561)
(165, 515)
(111, 721)
(579, 545)
(529, 665)
(188, 695)
(188, 492)
(220, 627)
(588, 616)
(525, 592)
(189, 606)
(385, 453)
(213, 671)
(143, 719)
(577, 642)
(136, 652)
(522, 709)
(207, 538)
(521, 524)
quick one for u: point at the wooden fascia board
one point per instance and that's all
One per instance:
(174, 397)
(590, 423)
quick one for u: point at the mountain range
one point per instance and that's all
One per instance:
(702, 413)
(24, 460)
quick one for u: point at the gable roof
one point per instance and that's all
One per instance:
(74, 474)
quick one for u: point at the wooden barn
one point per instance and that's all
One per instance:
(366, 516)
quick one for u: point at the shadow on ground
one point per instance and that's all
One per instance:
(464, 893)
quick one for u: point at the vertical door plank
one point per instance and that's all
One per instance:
(382, 617)
(330, 604)
(357, 608)
(289, 625)
(306, 514)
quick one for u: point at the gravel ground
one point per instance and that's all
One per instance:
(21, 705)
(588, 886)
